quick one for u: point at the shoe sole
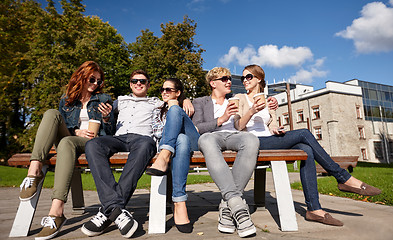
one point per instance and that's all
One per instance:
(226, 229)
(247, 232)
(90, 233)
(132, 230)
(53, 234)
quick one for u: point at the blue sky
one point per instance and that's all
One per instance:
(306, 41)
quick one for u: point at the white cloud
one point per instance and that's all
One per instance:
(306, 76)
(268, 55)
(373, 31)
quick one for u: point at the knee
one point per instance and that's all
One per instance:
(65, 145)
(52, 114)
(206, 140)
(92, 145)
(175, 109)
(251, 141)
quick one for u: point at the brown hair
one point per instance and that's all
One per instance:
(179, 87)
(140, 71)
(258, 72)
(79, 78)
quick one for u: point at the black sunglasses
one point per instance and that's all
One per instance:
(248, 77)
(94, 80)
(135, 81)
(224, 79)
(168, 89)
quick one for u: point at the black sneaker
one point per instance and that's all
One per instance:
(126, 223)
(96, 225)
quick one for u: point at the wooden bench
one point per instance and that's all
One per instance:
(158, 192)
(345, 162)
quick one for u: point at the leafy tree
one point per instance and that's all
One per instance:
(55, 47)
(174, 54)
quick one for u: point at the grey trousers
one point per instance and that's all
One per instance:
(230, 183)
(53, 131)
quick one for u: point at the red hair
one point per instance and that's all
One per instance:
(79, 78)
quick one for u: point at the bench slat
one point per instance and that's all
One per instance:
(23, 159)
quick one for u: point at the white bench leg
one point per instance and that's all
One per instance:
(286, 208)
(25, 213)
(157, 209)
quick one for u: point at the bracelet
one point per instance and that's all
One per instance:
(106, 117)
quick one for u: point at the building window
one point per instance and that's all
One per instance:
(378, 149)
(361, 132)
(285, 118)
(300, 116)
(358, 112)
(318, 133)
(364, 153)
(315, 112)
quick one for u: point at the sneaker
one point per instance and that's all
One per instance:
(225, 220)
(241, 215)
(96, 225)
(51, 227)
(126, 224)
(28, 188)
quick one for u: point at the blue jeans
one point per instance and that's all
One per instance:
(180, 137)
(114, 194)
(230, 183)
(304, 140)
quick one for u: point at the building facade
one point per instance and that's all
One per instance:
(340, 118)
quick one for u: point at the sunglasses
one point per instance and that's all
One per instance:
(168, 89)
(94, 80)
(248, 77)
(135, 81)
(224, 79)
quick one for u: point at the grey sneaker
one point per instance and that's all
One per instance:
(126, 224)
(225, 220)
(51, 227)
(241, 215)
(28, 188)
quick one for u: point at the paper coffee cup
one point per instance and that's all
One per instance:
(94, 126)
(259, 96)
(172, 102)
(235, 100)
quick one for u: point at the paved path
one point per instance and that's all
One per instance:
(362, 220)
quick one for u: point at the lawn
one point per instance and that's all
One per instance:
(378, 175)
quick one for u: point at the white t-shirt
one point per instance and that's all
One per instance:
(257, 124)
(83, 119)
(219, 110)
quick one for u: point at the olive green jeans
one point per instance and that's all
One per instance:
(53, 131)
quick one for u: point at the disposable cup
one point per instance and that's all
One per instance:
(259, 97)
(94, 126)
(235, 100)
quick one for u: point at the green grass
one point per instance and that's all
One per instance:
(12, 177)
(378, 175)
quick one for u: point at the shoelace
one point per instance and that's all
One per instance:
(99, 219)
(48, 222)
(241, 216)
(226, 214)
(27, 182)
(122, 220)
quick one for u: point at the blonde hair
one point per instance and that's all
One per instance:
(216, 72)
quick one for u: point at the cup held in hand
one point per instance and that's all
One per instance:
(94, 126)
(259, 97)
(234, 100)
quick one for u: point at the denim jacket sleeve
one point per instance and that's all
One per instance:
(65, 115)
